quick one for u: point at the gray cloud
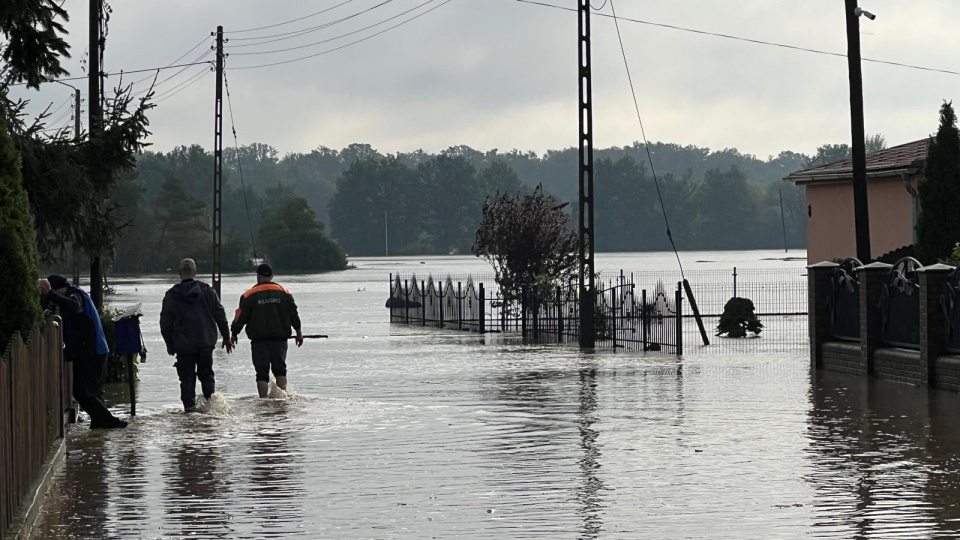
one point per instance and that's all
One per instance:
(502, 74)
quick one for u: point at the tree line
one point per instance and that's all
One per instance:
(419, 203)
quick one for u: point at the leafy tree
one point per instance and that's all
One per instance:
(19, 295)
(728, 209)
(938, 225)
(182, 225)
(451, 186)
(294, 240)
(68, 180)
(831, 153)
(524, 238)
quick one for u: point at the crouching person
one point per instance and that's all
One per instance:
(190, 319)
(85, 345)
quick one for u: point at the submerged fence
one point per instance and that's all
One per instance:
(641, 311)
(34, 394)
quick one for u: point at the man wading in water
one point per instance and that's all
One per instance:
(189, 320)
(268, 311)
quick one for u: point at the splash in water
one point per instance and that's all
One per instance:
(275, 392)
(216, 405)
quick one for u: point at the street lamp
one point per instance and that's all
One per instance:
(76, 136)
(861, 208)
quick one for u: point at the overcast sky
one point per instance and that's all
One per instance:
(503, 74)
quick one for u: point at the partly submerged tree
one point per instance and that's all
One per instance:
(938, 226)
(293, 239)
(525, 238)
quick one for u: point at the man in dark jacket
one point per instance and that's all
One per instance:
(85, 345)
(268, 311)
(189, 320)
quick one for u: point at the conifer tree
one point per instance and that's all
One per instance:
(938, 227)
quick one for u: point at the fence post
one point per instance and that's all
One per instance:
(423, 303)
(871, 316)
(406, 301)
(390, 296)
(459, 305)
(483, 311)
(440, 300)
(643, 318)
(559, 317)
(734, 281)
(819, 290)
(932, 345)
(679, 320)
(523, 311)
(612, 320)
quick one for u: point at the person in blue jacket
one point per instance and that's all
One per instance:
(85, 345)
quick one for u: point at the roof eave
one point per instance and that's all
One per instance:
(803, 179)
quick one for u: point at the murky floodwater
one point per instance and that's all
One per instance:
(397, 432)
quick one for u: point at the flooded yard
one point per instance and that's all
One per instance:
(402, 432)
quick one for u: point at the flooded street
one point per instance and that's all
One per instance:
(401, 432)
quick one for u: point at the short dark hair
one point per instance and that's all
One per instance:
(265, 270)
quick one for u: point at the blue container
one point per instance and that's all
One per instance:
(127, 336)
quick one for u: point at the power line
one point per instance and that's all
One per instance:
(202, 41)
(304, 31)
(348, 44)
(236, 145)
(196, 61)
(198, 79)
(750, 40)
(187, 81)
(298, 19)
(55, 111)
(643, 133)
(336, 37)
(118, 73)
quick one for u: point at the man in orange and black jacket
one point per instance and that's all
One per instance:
(269, 312)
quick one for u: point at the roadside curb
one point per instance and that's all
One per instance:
(26, 519)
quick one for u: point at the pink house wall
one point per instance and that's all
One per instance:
(830, 226)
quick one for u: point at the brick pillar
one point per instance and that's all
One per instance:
(819, 289)
(932, 279)
(871, 317)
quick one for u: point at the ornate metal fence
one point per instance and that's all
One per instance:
(900, 304)
(641, 311)
(845, 301)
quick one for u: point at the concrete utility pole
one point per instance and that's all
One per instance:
(96, 125)
(861, 207)
(587, 285)
(218, 163)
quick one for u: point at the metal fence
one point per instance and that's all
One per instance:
(34, 394)
(641, 311)
(900, 304)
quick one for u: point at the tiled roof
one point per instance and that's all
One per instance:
(895, 159)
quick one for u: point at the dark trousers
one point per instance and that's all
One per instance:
(88, 376)
(190, 367)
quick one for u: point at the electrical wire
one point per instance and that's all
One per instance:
(304, 31)
(55, 111)
(335, 37)
(348, 44)
(291, 21)
(112, 74)
(202, 41)
(236, 145)
(749, 40)
(198, 79)
(196, 61)
(186, 82)
(643, 133)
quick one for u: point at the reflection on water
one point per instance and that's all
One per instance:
(884, 459)
(395, 432)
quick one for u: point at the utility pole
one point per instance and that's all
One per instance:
(861, 208)
(96, 125)
(218, 162)
(587, 284)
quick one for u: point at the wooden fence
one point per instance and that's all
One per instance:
(34, 396)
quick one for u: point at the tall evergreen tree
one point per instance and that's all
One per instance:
(938, 227)
(19, 295)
